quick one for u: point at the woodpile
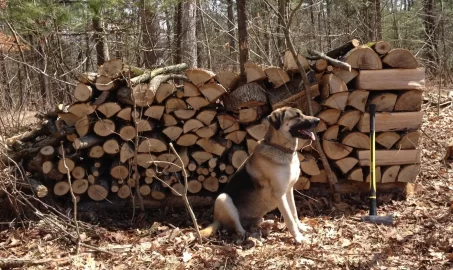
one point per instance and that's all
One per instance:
(115, 137)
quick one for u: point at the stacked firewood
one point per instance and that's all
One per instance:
(114, 140)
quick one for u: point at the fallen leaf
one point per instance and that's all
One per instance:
(186, 256)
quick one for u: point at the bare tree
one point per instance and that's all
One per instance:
(150, 32)
(242, 34)
(189, 32)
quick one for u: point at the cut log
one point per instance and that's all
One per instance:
(201, 157)
(409, 101)
(345, 75)
(331, 134)
(363, 58)
(206, 116)
(119, 170)
(194, 186)
(172, 132)
(381, 47)
(47, 166)
(391, 79)
(157, 191)
(114, 187)
(69, 118)
(329, 116)
(190, 90)
(187, 139)
(99, 191)
(82, 126)
(343, 49)
(331, 84)
(254, 72)
(320, 65)
(237, 156)
(392, 121)
(390, 173)
(111, 146)
(80, 186)
(250, 115)
(226, 120)
(211, 184)
(127, 133)
(184, 114)
(144, 125)
(228, 79)
(245, 96)
(216, 147)
(357, 140)
(144, 160)
(336, 101)
(346, 164)
(83, 92)
(389, 157)
(387, 139)
(124, 192)
(61, 188)
(145, 190)
(320, 127)
(86, 78)
(319, 178)
(46, 153)
(125, 114)
(109, 109)
(174, 104)
(251, 145)
(303, 183)
(377, 174)
(78, 172)
(290, 65)
(104, 127)
(63, 163)
(356, 174)
(199, 76)
(177, 189)
(258, 131)
(192, 125)
(384, 102)
(277, 76)
(81, 109)
(164, 91)
(114, 68)
(104, 83)
(169, 120)
(207, 132)
(358, 99)
(212, 163)
(229, 169)
(335, 150)
(400, 58)
(154, 144)
(309, 165)
(126, 152)
(349, 119)
(197, 102)
(177, 167)
(155, 112)
(71, 137)
(213, 91)
(409, 140)
(408, 173)
(236, 136)
(38, 188)
(232, 128)
(96, 151)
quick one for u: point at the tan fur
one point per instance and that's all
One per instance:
(273, 172)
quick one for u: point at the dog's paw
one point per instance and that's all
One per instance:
(299, 238)
(303, 228)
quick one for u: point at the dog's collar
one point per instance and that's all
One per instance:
(281, 148)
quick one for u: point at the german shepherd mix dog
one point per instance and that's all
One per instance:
(265, 180)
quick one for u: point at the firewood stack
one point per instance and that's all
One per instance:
(117, 133)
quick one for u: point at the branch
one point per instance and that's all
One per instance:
(333, 62)
(150, 74)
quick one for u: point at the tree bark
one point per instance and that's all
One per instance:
(189, 33)
(377, 20)
(150, 32)
(429, 23)
(230, 15)
(102, 49)
(243, 36)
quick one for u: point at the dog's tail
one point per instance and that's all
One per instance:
(211, 229)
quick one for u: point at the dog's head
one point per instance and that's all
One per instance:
(294, 122)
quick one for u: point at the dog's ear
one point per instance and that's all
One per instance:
(276, 118)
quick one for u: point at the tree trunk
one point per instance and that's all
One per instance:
(150, 33)
(242, 34)
(102, 49)
(377, 20)
(281, 37)
(429, 23)
(189, 33)
(177, 33)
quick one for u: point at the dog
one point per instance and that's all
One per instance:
(265, 180)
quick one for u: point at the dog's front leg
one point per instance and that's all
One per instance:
(285, 209)
(292, 206)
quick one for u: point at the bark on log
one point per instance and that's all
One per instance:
(38, 188)
(343, 49)
(245, 96)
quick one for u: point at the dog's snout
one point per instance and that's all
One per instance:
(315, 121)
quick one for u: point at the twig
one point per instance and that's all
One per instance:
(184, 195)
(333, 62)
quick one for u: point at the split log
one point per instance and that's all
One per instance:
(309, 165)
(336, 101)
(125, 114)
(109, 109)
(343, 49)
(387, 139)
(389, 157)
(187, 139)
(331, 134)
(86, 78)
(139, 93)
(126, 152)
(302, 183)
(390, 79)
(258, 131)
(153, 144)
(320, 178)
(124, 192)
(69, 118)
(409, 140)
(70, 164)
(356, 174)
(111, 146)
(250, 115)
(190, 90)
(104, 83)
(104, 127)
(80, 186)
(381, 47)
(78, 172)
(213, 91)
(390, 173)
(185, 114)
(245, 96)
(143, 160)
(251, 145)
(277, 76)
(377, 173)
(346, 164)
(127, 133)
(254, 72)
(357, 99)
(223, 179)
(201, 157)
(237, 156)
(157, 191)
(363, 58)
(349, 119)
(82, 126)
(335, 150)
(197, 102)
(119, 170)
(169, 120)
(329, 116)
(392, 121)
(96, 151)
(199, 76)
(290, 65)
(345, 75)
(99, 190)
(155, 112)
(81, 109)
(226, 120)
(192, 125)
(232, 128)
(172, 132)
(216, 146)
(384, 102)
(61, 188)
(236, 136)
(194, 186)
(83, 92)
(174, 104)
(164, 91)
(211, 184)
(331, 84)
(206, 116)
(114, 68)
(408, 173)
(208, 131)
(409, 101)
(320, 127)
(400, 58)
(71, 137)
(144, 125)
(357, 140)
(320, 65)
(228, 79)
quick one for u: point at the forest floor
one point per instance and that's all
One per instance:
(421, 237)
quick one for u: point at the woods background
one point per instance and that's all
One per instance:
(60, 38)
